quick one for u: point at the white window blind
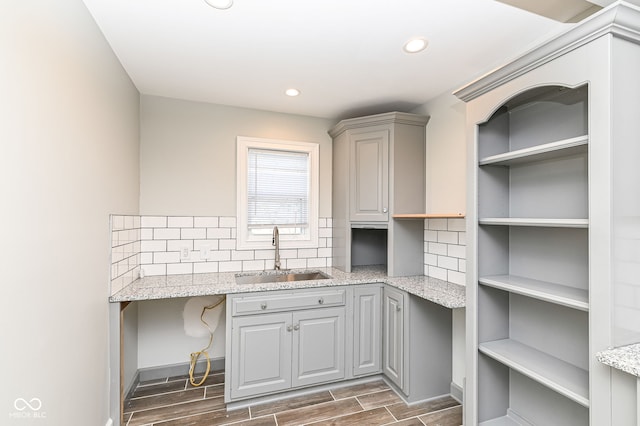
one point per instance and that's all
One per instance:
(278, 190)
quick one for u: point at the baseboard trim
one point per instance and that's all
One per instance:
(171, 370)
(234, 405)
(457, 393)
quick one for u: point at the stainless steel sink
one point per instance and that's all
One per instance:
(276, 277)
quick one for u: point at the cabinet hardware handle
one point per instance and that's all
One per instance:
(398, 308)
(296, 327)
(321, 301)
(263, 306)
(384, 210)
(289, 328)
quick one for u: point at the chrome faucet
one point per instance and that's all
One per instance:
(276, 242)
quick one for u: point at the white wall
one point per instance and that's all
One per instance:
(69, 136)
(446, 188)
(446, 153)
(188, 152)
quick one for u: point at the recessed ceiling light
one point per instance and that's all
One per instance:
(292, 92)
(415, 45)
(220, 4)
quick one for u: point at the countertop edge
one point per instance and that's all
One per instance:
(624, 358)
(441, 292)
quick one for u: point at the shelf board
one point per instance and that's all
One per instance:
(542, 290)
(559, 376)
(523, 221)
(427, 215)
(545, 151)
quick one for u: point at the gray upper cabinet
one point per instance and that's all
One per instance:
(369, 175)
(379, 170)
(549, 140)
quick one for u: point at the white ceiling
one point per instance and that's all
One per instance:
(345, 56)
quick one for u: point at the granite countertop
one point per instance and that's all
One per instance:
(173, 286)
(625, 358)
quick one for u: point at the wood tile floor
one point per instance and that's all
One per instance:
(174, 402)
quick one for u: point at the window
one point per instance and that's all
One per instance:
(277, 186)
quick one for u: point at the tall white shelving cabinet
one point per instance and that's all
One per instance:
(543, 135)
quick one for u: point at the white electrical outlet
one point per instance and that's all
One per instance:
(185, 253)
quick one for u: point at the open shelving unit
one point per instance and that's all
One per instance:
(533, 261)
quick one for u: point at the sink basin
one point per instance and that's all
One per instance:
(276, 277)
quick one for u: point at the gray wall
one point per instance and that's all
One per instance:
(188, 154)
(69, 129)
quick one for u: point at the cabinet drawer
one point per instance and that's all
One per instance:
(286, 302)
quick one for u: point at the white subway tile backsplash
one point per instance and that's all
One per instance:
(179, 268)
(457, 251)
(203, 268)
(153, 222)
(456, 277)
(436, 272)
(307, 253)
(253, 265)
(213, 233)
(166, 257)
(166, 233)
(153, 246)
(227, 222)
(447, 262)
(447, 237)
(180, 222)
(227, 244)
(437, 248)
(205, 222)
(437, 224)
(234, 266)
(160, 269)
(296, 263)
(445, 249)
(242, 255)
(457, 225)
(220, 256)
(193, 233)
(317, 262)
(322, 222)
(265, 254)
(325, 233)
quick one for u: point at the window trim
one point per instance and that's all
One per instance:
(243, 240)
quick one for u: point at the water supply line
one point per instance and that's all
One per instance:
(196, 355)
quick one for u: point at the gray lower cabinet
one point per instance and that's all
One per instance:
(393, 335)
(367, 330)
(302, 344)
(416, 345)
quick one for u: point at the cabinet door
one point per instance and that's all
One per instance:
(367, 328)
(393, 336)
(369, 176)
(261, 354)
(318, 343)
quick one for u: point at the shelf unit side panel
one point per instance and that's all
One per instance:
(541, 406)
(550, 189)
(553, 329)
(493, 389)
(625, 189)
(407, 170)
(493, 314)
(493, 192)
(493, 250)
(556, 255)
(493, 135)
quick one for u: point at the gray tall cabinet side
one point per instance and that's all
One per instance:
(379, 170)
(545, 133)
